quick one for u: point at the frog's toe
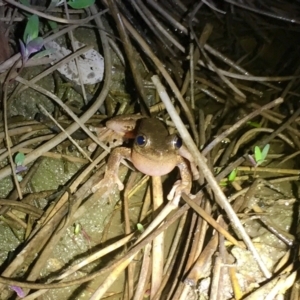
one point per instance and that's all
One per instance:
(178, 188)
(119, 183)
(108, 182)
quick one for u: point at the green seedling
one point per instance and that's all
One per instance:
(77, 228)
(254, 124)
(231, 178)
(140, 227)
(259, 155)
(32, 43)
(78, 4)
(19, 161)
(75, 4)
(232, 175)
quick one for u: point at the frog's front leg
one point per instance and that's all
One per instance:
(183, 151)
(185, 184)
(112, 169)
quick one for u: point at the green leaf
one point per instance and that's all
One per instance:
(265, 151)
(257, 154)
(43, 53)
(254, 124)
(52, 24)
(19, 177)
(140, 227)
(78, 4)
(53, 3)
(232, 175)
(77, 229)
(19, 159)
(32, 29)
(25, 2)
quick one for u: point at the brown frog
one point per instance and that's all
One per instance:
(154, 152)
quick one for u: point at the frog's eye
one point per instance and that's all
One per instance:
(141, 140)
(177, 142)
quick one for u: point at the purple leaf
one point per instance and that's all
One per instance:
(35, 45)
(20, 169)
(23, 50)
(252, 160)
(18, 290)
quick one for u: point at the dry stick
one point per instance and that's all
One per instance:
(71, 36)
(158, 26)
(55, 236)
(27, 143)
(167, 16)
(220, 197)
(193, 61)
(37, 212)
(248, 77)
(158, 242)
(66, 108)
(233, 65)
(47, 251)
(192, 75)
(144, 13)
(42, 108)
(86, 261)
(176, 287)
(57, 65)
(8, 63)
(165, 74)
(173, 256)
(282, 127)
(129, 286)
(223, 255)
(46, 232)
(68, 158)
(260, 144)
(250, 133)
(213, 66)
(130, 55)
(7, 137)
(14, 194)
(212, 221)
(142, 283)
(170, 207)
(215, 290)
(23, 129)
(203, 262)
(132, 252)
(264, 12)
(200, 232)
(238, 124)
(43, 15)
(61, 136)
(290, 84)
(267, 115)
(176, 242)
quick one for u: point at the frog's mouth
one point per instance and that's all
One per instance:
(152, 166)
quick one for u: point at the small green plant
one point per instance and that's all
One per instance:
(259, 155)
(254, 124)
(232, 175)
(19, 161)
(77, 228)
(75, 4)
(78, 4)
(140, 227)
(231, 178)
(31, 43)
